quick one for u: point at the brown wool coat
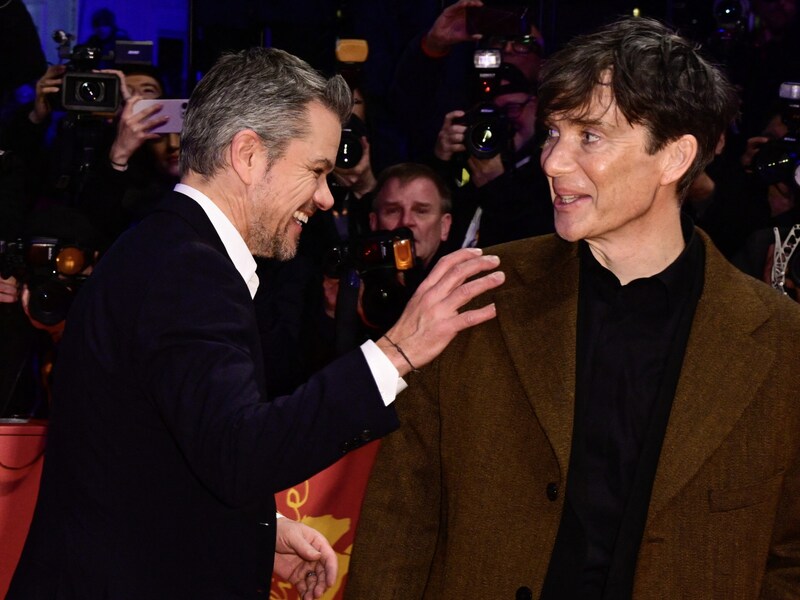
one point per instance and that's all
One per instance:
(466, 497)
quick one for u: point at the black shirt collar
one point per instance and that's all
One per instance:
(664, 291)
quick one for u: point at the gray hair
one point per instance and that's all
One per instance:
(265, 90)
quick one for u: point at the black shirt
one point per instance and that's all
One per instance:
(631, 341)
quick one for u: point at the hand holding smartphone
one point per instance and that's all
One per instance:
(498, 20)
(174, 108)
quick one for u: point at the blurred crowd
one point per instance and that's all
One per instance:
(441, 152)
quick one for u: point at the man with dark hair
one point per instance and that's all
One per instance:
(629, 425)
(164, 450)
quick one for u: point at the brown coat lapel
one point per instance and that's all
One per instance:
(537, 321)
(715, 386)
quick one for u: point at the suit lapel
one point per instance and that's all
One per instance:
(722, 370)
(538, 324)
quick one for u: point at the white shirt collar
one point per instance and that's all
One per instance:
(235, 246)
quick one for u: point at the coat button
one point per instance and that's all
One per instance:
(524, 593)
(552, 491)
(366, 436)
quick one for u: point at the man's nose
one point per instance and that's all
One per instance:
(323, 198)
(407, 219)
(556, 158)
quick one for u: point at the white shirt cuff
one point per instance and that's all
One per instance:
(386, 376)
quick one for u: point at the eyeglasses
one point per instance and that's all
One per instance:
(513, 110)
(526, 44)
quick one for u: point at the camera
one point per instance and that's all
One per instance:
(778, 161)
(81, 89)
(350, 150)
(51, 268)
(379, 258)
(488, 130)
(732, 17)
(351, 54)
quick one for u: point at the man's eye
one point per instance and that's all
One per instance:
(589, 137)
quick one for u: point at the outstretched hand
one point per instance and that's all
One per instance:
(304, 558)
(431, 318)
(450, 27)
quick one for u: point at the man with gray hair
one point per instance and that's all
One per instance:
(164, 451)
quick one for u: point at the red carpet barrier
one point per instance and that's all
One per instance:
(21, 459)
(330, 501)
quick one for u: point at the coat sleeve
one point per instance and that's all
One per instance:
(199, 360)
(395, 546)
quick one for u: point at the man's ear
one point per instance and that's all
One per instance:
(373, 221)
(679, 156)
(248, 156)
(447, 221)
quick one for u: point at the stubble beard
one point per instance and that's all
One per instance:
(266, 244)
(261, 241)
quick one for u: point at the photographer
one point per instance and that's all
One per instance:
(505, 194)
(362, 297)
(433, 74)
(124, 185)
(777, 201)
(43, 270)
(737, 200)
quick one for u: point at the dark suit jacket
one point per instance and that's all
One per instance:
(163, 452)
(466, 497)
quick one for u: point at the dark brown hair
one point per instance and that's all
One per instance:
(658, 80)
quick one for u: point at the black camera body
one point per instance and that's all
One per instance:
(778, 161)
(82, 90)
(51, 268)
(488, 130)
(379, 258)
(378, 250)
(350, 151)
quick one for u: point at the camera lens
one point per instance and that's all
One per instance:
(91, 91)
(50, 300)
(776, 162)
(483, 140)
(350, 151)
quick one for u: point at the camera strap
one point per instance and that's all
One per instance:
(782, 254)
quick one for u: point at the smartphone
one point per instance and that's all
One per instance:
(174, 108)
(497, 20)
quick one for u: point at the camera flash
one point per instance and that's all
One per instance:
(487, 59)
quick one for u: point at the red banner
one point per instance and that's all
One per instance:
(330, 502)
